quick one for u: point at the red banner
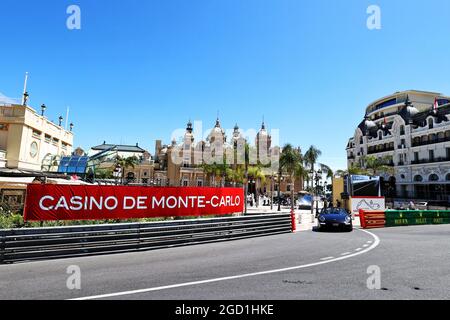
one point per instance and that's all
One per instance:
(64, 202)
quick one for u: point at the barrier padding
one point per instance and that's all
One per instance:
(397, 218)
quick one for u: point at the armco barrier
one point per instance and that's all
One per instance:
(396, 218)
(59, 242)
(372, 219)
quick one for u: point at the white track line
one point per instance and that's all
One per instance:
(247, 275)
(345, 253)
(327, 258)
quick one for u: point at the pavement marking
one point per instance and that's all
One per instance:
(358, 249)
(345, 253)
(365, 245)
(247, 275)
(327, 258)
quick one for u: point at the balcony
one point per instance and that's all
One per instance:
(435, 160)
(380, 150)
(424, 143)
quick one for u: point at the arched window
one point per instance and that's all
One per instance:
(418, 178)
(432, 138)
(447, 177)
(433, 177)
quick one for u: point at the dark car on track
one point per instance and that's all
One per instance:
(334, 218)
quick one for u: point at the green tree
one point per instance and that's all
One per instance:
(126, 163)
(374, 165)
(311, 157)
(291, 163)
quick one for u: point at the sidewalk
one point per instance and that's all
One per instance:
(305, 222)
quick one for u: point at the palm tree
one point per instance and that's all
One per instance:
(290, 162)
(125, 163)
(329, 174)
(311, 157)
(375, 165)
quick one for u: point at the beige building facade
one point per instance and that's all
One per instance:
(26, 138)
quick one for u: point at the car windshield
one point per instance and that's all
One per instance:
(333, 211)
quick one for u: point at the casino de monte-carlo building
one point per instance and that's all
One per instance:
(161, 170)
(412, 130)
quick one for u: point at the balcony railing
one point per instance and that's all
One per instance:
(440, 159)
(424, 143)
(380, 150)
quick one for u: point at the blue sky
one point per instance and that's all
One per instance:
(139, 69)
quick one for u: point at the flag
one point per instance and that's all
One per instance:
(435, 105)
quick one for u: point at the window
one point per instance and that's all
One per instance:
(418, 178)
(199, 183)
(185, 183)
(416, 156)
(48, 138)
(431, 155)
(64, 145)
(55, 141)
(430, 123)
(3, 127)
(402, 130)
(36, 134)
(434, 177)
(288, 188)
(447, 152)
(33, 149)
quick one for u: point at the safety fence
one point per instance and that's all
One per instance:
(62, 242)
(397, 218)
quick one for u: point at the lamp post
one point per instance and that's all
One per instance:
(271, 192)
(43, 108)
(315, 177)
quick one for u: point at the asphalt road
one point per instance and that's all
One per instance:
(414, 264)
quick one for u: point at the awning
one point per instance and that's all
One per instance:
(67, 182)
(16, 180)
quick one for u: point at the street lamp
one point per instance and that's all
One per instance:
(315, 177)
(43, 108)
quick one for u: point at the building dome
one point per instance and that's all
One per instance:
(370, 124)
(217, 132)
(412, 111)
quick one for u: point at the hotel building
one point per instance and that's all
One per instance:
(410, 130)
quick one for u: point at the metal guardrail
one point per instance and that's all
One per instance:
(63, 242)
